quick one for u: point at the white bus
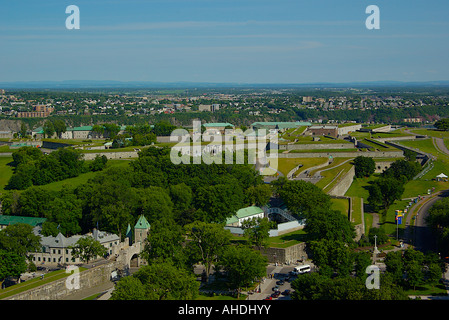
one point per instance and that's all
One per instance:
(302, 269)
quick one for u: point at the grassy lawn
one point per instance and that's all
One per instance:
(82, 178)
(33, 283)
(288, 239)
(282, 241)
(5, 149)
(5, 171)
(341, 205)
(336, 162)
(356, 191)
(332, 175)
(287, 164)
(389, 222)
(428, 290)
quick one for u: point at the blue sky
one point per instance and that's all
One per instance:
(239, 41)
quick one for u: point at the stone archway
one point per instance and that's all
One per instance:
(134, 261)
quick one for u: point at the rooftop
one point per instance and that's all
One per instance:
(218, 124)
(244, 213)
(142, 223)
(9, 220)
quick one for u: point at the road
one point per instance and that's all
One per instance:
(439, 143)
(423, 239)
(278, 272)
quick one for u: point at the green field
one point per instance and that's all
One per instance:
(341, 205)
(285, 165)
(5, 171)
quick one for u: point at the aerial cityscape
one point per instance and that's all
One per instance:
(221, 156)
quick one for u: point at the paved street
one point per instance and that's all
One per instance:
(266, 286)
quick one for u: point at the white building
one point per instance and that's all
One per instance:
(55, 250)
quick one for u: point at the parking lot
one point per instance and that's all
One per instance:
(274, 275)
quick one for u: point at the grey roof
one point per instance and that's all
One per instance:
(63, 242)
(59, 241)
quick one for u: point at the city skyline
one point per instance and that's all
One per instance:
(225, 41)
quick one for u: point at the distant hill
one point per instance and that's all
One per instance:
(85, 84)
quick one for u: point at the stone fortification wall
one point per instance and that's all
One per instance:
(316, 146)
(59, 289)
(112, 155)
(340, 188)
(371, 154)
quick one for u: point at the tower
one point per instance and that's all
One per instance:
(141, 229)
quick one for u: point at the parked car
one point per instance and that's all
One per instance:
(280, 282)
(269, 298)
(286, 292)
(276, 294)
(275, 288)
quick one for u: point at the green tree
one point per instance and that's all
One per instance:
(165, 243)
(415, 274)
(26, 155)
(442, 124)
(63, 214)
(87, 248)
(98, 163)
(128, 288)
(242, 266)
(111, 130)
(303, 197)
(208, 241)
(155, 203)
(163, 128)
(395, 265)
(364, 166)
(257, 230)
(258, 195)
(332, 257)
(329, 224)
(402, 168)
(20, 239)
(59, 127)
(433, 274)
(163, 281)
(384, 191)
(11, 265)
(438, 220)
(49, 129)
(23, 130)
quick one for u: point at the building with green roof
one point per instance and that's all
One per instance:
(10, 220)
(244, 214)
(218, 126)
(141, 229)
(281, 126)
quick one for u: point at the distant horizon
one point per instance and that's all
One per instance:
(87, 84)
(225, 41)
